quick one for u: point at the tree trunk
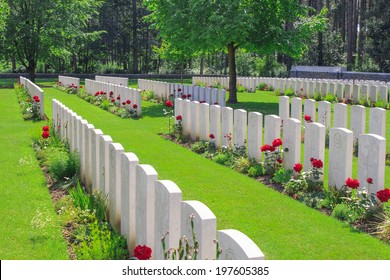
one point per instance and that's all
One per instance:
(31, 71)
(13, 61)
(320, 38)
(362, 33)
(135, 41)
(232, 74)
(350, 35)
(201, 65)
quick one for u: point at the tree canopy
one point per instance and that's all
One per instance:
(37, 29)
(4, 11)
(201, 26)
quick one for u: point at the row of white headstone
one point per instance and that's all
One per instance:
(199, 120)
(113, 80)
(34, 90)
(69, 81)
(141, 207)
(124, 93)
(343, 89)
(166, 91)
(377, 116)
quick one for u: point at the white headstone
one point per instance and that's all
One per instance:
(204, 122)
(237, 246)
(291, 142)
(205, 227)
(372, 156)
(255, 135)
(114, 197)
(194, 112)
(310, 109)
(378, 121)
(240, 126)
(340, 156)
(129, 162)
(296, 108)
(314, 143)
(272, 125)
(358, 121)
(227, 125)
(340, 115)
(167, 216)
(284, 107)
(146, 177)
(215, 124)
(324, 109)
(103, 173)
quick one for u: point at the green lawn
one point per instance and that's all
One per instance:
(282, 227)
(23, 191)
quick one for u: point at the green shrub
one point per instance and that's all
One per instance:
(271, 88)
(105, 105)
(289, 92)
(364, 102)
(224, 159)
(282, 176)
(317, 96)
(382, 104)
(242, 165)
(96, 203)
(200, 147)
(295, 186)
(383, 227)
(343, 213)
(256, 170)
(97, 241)
(89, 98)
(240, 88)
(330, 98)
(262, 86)
(62, 165)
(313, 200)
(149, 95)
(277, 92)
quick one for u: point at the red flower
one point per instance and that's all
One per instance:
(317, 163)
(215, 103)
(279, 160)
(370, 181)
(102, 92)
(113, 100)
(383, 195)
(307, 118)
(352, 183)
(272, 149)
(178, 118)
(168, 103)
(97, 93)
(118, 98)
(45, 134)
(46, 128)
(184, 96)
(142, 252)
(36, 99)
(265, 148)
(189, 95)
(298, 167)
(179, 89)
(111, 93)
(277, 142)
(135, 106)
(211, 136)
(128, 101)
(123, 103)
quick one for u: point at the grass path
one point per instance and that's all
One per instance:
(282, 227)
(23, 191)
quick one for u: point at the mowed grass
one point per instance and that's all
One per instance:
(282, 227)
(24, 191)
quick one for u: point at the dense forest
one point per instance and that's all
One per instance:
(117, 37)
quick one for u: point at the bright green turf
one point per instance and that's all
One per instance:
(23, 191)
(282, 227)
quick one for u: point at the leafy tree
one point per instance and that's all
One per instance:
(37, 29)
(195, 26)
(4, 11)
(379, 34)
